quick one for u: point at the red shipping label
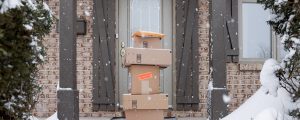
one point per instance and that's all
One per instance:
(145, 76)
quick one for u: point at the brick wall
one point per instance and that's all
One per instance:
(242, 79)
(204, 56)
(48, 72)
(242, 82)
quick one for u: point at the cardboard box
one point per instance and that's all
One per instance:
(147, 34)
(144, 79)
(145, 102)
(145, 39)
(147, 42)
(142, 56)
(144, 114)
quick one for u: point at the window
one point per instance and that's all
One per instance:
(258, 41)
(280, 50)
(145, 15)
(256, 33)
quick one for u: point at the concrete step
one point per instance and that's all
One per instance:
(109, 118)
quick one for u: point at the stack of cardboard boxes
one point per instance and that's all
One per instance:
(144, 61)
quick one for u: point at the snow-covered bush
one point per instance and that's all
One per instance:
(286, 23)
(23, 24)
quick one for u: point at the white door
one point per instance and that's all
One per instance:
(146, 15)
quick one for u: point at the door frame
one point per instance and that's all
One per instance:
(171, 31)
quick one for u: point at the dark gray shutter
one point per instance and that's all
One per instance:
(231, 31)
(187, 55)
(104, 55)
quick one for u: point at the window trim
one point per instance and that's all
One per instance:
(249, 1)
(277, 50)
(274, 39)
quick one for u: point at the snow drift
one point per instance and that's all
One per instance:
(270, 102)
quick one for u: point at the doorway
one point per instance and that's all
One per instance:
(145, 15)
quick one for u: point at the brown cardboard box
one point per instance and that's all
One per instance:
(142, 56)
(144, 79)
(147, 34)
(143, 102)
(146, 39)
(144, 114)
(147, 42)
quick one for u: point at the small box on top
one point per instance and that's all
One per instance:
(145, 39)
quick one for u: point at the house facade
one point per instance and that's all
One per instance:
(106, 28)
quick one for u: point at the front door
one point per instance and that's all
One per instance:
(145, 15)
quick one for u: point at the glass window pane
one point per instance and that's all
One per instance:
(281, 51)
(256, 31)
(145, 15)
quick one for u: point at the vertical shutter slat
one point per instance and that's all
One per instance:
(103, 55)
(185, 53)
(195, 70)
(188, 74)
(231, 24)
(187, 97)
(103, 44)
(235, 30)
(97, 61)
(180, 23)
(96, 64)
(96, 76)
(227, 37)
(110, 33)
(101, 85)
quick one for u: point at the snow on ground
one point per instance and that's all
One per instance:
(269, 81)
(269, 114)
(262, 104)
(270, 102)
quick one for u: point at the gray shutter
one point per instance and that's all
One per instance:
(104, 55)
(187, 55)
(231, 31)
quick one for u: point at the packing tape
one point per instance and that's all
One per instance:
(145, 87)
(138, 58)
(134, 104)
